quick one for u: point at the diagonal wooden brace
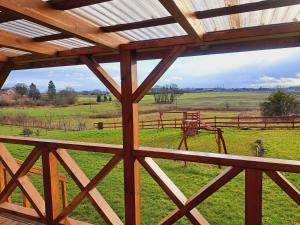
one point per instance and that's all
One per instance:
(95, 198)
(203, 194)
(92, 185)
(19, 178)
(157, 72)
(285, 185)
(103, 76)
(171, 190)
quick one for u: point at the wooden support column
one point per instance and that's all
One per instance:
(130, 137)
(51, 186)
(4, 73)
(253, 195)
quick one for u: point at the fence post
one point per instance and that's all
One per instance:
(215, 121)
(294, 118)
(175, 123)
(238, 119)
(253, 197)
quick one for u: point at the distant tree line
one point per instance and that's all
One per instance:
(31, 95)
(167, 94)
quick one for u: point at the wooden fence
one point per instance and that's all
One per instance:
(287, 122)
(48, 209)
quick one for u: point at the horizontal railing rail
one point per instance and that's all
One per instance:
(255, 122)
(48, 209)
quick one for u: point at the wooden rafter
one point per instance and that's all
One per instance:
(234, 19)
(107, 80)
(4, 73)
(157, 72)
(71, 4)
(26, 44)
(40, 12)
(183, 12)
(223, 11)
(5, 17)
(52, 37)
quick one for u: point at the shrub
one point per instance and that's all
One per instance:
(280, 103)
(27, 132)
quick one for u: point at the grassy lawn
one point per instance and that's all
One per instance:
(225, 207)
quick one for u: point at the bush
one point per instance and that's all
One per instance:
(27, 132)
(67, 96)
(280, 103)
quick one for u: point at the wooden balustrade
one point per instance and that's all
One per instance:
(53, 153)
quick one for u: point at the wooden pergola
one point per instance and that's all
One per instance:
(53, 33)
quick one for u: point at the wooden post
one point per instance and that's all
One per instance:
(215, 122)
(51, 186)
(253, 195)
(238, 119)
(294, 118)
(130, 122)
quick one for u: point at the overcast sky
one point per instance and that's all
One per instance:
(269, 68)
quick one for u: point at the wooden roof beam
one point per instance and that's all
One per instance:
(234, 19)
(184, 14)
(42, 13)
(71, 4)
(5, 17)
(223, 11)
(27, 44)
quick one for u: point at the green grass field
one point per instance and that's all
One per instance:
(209, 103)
(225, 207)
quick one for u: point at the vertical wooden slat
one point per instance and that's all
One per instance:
(51, 186)
(64, 193)
(253, 197)
(130, 122)
(26, 202)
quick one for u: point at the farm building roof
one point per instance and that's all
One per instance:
(42, 33)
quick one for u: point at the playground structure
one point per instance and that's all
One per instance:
(192, 126)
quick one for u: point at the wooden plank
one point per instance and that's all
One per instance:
(51, 186)
(5, 17)
(71, 4)
(203, 194)
(94, 197)
(184, 14)
(130, 123)
(171, 190)
(4, 73)
(285, 185)
(42, 13)
(223, 11)
(253, 197)
(74, 145)
(103, 76)
(245, 162)
(52, 37)
(157, 73)
(27, 44)
(20, 179)
(234, 19)
(89, 187)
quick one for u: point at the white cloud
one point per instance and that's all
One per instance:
(269, 81)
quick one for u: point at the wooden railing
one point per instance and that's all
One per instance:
(254, 122)
(50, 210)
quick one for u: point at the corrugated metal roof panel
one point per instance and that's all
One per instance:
(13, 51)
(26, 28)
(71, 43)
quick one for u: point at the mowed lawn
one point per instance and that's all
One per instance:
(225, 207)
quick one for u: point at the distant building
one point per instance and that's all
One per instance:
(8, 95)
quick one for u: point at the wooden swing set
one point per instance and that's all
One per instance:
(192, 125)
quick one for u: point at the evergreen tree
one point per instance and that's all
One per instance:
(34, 93)
(51, 90)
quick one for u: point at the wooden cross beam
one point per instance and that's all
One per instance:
(183, 12)
(107, 80)
(42, 13)
(27, 44)
(157, 72)
(71, 4)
